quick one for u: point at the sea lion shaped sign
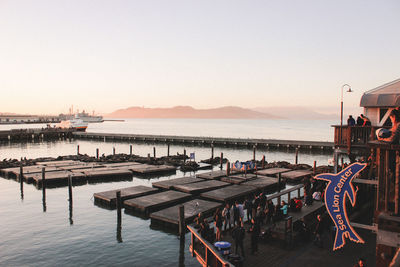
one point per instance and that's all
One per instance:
(339, 186)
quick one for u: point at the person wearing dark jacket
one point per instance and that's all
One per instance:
(238, 234)
(255, 232)
(351, 121)
(319, 231)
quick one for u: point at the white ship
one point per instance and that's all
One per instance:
(84, 116)
(76, 124)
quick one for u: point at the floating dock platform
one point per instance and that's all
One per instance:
(108, 199)
(196, 188)
(273, 171)
(171, 183)
(296, 176)
(155, 202)
(229, 193)
(170, 217)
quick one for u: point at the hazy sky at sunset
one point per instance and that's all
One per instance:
(105, 55)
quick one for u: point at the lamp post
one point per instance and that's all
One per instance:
(341, 103)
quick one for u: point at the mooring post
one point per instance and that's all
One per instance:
(221, 160)
(21, 180)
(154, 152)
(228, 168)
(182, 229)
(97, 153)
(184, 155)
(168, 151)
(212, 151)
(279, 182)
(297, 156)
(77, 150)
(44, 188)
(263, 162)
(70, 190)
(113, 150)
(118, 203)
(70, 198)
(254, 153)
(130, 150)
(314, 167)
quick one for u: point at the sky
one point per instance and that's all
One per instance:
(105, 55)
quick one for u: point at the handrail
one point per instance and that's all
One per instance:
(286, 191)
(208, 246)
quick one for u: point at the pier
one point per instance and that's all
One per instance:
(35, 134)
(216, 141)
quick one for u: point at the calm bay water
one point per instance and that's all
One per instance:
(31, 237)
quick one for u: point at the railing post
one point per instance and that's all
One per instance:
(192, 241)
(298, 193)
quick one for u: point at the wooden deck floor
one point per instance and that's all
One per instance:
(169, 184)
(195, 188)
(296, 176)
(263, 183)
(192, 208)
(229, 193)
(272, 171)
(157, 201)
(213, 175)
(108, 198)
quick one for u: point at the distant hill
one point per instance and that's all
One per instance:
(229, 112)
(297, 113)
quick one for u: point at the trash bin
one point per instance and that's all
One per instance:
(223, 247)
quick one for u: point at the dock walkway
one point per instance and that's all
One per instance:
(200, 140)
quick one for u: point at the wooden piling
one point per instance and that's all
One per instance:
(263, 162)
(184, 155)
(279, 181)
(21, 180)
(297, 156)
(113, 150)
(221, 160)
(228, 168)
(97, 153)
(254, 153)
(70, 190)
(314, 167)
(130, 150)
(154, 152)
(182, 229)
(168, 151)
(44, 189)
(212, 151)
(77, 150)
(119, 204)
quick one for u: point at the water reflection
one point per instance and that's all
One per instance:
(182, 251)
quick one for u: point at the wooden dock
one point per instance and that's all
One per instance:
(196, 188)
(229, 193)
(231, 180)
(263, 183)
(171, 183)
(272, 171)
(108, 198)
(296, 176)
(154, 202)
(169, 216)
(213, 175)
(216, 141)
(145, 169)
(57, 172)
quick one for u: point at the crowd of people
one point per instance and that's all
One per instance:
(361, 120)
(257, 212)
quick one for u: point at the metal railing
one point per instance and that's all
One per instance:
(205, 252)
